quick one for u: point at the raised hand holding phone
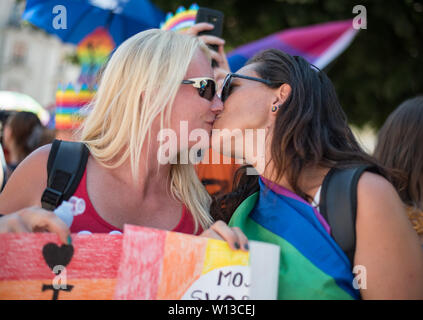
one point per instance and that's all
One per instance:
(215, 18)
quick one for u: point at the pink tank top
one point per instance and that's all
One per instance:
(91, 221)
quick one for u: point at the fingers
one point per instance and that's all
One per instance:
(225, 63)
(219, 76)
(207, 39)
(215, 57)
(243, 241)
(234, 236)
(220, 56)
(198, 27)
(209, 233)
(40, 220)
(12, 223)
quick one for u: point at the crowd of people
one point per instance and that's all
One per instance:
(158, 79)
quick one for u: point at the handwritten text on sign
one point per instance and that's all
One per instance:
(227, 283)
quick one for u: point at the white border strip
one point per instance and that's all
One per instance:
(336, 48)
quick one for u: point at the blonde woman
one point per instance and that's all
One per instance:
(155, 80)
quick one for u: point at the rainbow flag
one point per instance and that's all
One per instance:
(319, 44)
(69, 103)
(312, 265)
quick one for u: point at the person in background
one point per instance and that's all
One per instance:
(400, 148)
(22, 134)
(4, 115)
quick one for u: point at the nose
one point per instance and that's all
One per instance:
(217, 105)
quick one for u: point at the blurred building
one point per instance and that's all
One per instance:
(31, 61)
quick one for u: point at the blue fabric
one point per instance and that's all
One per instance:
(297, 223)
(123, 19)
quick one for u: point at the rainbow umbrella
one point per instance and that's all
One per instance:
(319, 44)
(10, 100)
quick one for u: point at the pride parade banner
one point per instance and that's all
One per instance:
(142, 263)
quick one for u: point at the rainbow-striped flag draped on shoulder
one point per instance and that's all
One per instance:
(312, 265)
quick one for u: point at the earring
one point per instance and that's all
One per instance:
(275, 108)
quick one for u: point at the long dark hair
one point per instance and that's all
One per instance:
(310, 129)
(400, 148)
(28, 133)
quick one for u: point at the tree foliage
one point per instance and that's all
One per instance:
(381, 68)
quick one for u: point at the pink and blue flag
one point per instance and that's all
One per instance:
(319, 44)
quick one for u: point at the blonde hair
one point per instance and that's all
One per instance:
(140, 82)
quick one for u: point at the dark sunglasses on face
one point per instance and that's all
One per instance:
(206, 86)
(226, 87)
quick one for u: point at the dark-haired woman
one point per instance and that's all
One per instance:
(23, 133)
(400, 148)
(306, 135)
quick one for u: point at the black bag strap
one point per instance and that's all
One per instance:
(338, 205)
(65, 168)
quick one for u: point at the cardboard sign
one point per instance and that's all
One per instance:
(142, 263)
(37, 266)
(194, 268)
(180, 266)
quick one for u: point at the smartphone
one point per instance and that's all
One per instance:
(214, 17)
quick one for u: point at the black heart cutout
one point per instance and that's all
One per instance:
(55, 255)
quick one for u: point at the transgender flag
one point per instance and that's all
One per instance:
(318, 44)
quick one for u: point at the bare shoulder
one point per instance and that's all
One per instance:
(378, 203)
(373, 185)
(377, 199)
(387, 245)
(27, 183)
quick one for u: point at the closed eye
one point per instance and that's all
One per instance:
(231, 88)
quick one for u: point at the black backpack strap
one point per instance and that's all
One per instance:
(338, 205)
(65, 168)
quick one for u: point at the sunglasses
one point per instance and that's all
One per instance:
(226, 87)
(206, 87)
